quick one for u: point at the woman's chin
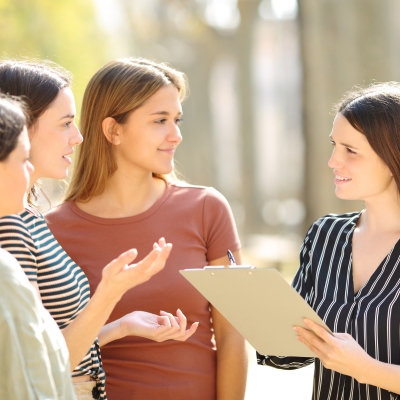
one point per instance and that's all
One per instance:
(164, 171)
(60, 175)
(13, 209)
(340, 194)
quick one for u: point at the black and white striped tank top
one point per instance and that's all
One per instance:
(63, 286)
(371, 316)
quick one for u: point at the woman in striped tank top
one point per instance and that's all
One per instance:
(350, 264)
(62, 285)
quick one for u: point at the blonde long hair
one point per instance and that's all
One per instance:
(116, 90)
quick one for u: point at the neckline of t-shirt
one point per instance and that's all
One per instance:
(124, 220)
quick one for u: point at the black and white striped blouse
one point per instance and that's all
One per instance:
(371, 316)
(63, 286)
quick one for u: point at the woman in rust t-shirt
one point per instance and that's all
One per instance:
(123, 194)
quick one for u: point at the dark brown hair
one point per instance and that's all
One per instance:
(37, 82)
(12, 122)
(375, 112)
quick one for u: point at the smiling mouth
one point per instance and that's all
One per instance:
(341, 178)
(66, 157)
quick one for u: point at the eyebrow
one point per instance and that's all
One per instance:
(67, 116)
(164, 113)
(344, 144)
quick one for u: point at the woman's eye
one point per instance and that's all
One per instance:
(67, 124)
(350, 151)
(160, 121)
(178, 121)
(332, 142)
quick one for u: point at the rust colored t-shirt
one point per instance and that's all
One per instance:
(199, 223)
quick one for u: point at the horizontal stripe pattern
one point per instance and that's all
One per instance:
(371, 316)
(63, 286)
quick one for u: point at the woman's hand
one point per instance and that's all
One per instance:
(157, 327)
(118, 276)
(338, 351)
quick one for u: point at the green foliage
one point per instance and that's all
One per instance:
(63, 31)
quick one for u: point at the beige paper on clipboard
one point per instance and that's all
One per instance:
(260, 304)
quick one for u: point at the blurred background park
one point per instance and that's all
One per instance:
(264, 75)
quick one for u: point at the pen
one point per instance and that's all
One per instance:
(231, 258)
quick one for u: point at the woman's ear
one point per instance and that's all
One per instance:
(110, 130)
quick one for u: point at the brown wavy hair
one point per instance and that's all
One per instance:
(116, 90)
(374, 111)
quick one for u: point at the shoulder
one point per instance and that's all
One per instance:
(12, 220)
(7, 261)
(26, 218)
(337, 219)
(197, 192)
(333, 224)
(16, 224)
(18, 298)
(11, 272)
(58, 212)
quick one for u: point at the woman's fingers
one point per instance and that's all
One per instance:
(172, 320)
(161, 243)
(313, 348)
(190, 331)
(310, 339)
(319, 331)
(176, 331)
(155, 261)
(121, 262)
(182, 321)
(159, 263)
(163, 320)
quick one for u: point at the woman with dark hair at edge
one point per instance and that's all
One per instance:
(61, 283)
(123, 189)
(33, 355)
(350, 264)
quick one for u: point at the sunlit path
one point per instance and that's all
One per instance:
(265, 383)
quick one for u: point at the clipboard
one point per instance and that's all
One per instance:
(259, 303)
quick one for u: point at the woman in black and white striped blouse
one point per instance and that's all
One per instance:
(350, 264)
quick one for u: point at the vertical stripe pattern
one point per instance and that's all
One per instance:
(63, 286)
(371, 316)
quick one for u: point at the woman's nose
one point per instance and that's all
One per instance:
(334, 160)
(76, 137)
(30, 167)
(175, 135)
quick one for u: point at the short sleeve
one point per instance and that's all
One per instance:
(219, 226)
(303, 283)
(17, 240)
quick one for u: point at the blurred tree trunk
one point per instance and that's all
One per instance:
(344, 43)
(157, 37)
(243, 51)
(196, 155)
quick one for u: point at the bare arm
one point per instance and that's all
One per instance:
(341, 353)
(231, 352)
(118, 277)
(151, 326)
(138, 323)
